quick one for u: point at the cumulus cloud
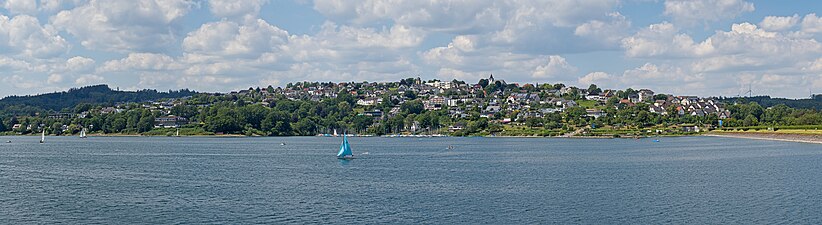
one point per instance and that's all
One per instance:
(21, 6)
(690, 12)
(246, 10)
(141, 62)
(89, 79)
(608, 33)
(23, 34)
(556, 67)
(219, 45)
(227, 38)
(779, 23)
(124, 26)
(663, 39)
(596, 78)
(812, 24)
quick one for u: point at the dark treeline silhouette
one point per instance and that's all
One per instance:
(97, 94)
(767, 101)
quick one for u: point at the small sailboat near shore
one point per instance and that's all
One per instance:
(83, 133)
(43, 137)
(345, 150)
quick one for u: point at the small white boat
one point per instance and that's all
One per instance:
(43, 137)
(83, 133)
(282, 143)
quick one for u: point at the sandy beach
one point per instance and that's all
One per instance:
(804, 138)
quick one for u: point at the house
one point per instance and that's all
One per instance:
(550, 110)
(368, 101)
(595, 97)
(170, 121)
(657, 109)
(634, 98)
(646, 95)
(456, 127)
(61, 116)
(492, 109)
(108, 110)
(375, 113)
(596, 113)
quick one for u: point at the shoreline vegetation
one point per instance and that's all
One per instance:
(803, 136)
(812, 136)
(408, 108)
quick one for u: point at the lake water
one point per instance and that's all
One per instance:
(159, 180)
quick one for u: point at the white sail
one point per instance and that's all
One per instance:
(83, 133)
(43, 136)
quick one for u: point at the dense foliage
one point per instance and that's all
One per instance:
(767, 101)
(98, 94)
(259, 115)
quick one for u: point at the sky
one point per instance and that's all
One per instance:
(681, 47)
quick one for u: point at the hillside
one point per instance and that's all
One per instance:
(97, 94)
(767, 101)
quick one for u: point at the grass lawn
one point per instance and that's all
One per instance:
(589, 104)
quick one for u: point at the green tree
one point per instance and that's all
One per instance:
(412, 107)
(750, 120)
(594, 90)
(146, 123)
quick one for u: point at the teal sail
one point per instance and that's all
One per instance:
(345, 149)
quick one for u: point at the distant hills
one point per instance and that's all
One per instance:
(97, 94)
(767, 101)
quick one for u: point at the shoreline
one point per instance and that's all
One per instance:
(800, 138)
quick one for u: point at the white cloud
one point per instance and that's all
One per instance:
(530, 26)
(55, 78)
(21, 6)
(11, 64)
(815, 66)
(247, 10)
(124, 26)
(471, 63)
(89, 79)
(141, 62)
(609, 33)
(22, 82)
(24, 34)
(663, 39)
(596, 78)
(79, 63)
(556, 67)
(52, 6)
(226, 38)
(779, 23)
(812, 23)
(691, 12)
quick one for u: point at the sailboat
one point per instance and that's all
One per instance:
(335, 132)
(43, 137)
(83, 133)
(178, 132)
(345, 150)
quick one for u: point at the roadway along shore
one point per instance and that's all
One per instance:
(804, 138)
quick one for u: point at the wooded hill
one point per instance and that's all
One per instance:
(97, 95)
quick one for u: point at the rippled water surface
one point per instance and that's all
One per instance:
(127, 180)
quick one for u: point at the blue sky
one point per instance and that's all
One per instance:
(683, 47)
